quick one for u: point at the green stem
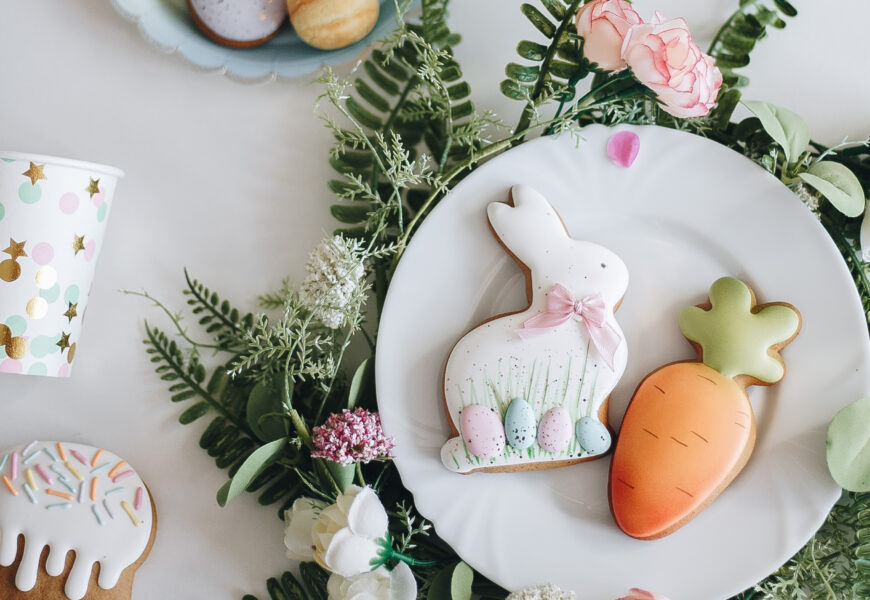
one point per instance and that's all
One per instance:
(359, 475)
(529, 110)
(176, 321)
(295, 418)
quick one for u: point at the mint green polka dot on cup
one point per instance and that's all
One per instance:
(2, 352)
(52, 294)
(17, 325)
(43, 345)
(29, 193)
(38, 369)
(102, 212)
(72, 294)
(2, 211)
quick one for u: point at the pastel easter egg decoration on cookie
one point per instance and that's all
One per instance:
(239, 23)
(565, 351)
(554, 431)
(482, 431)
(689, 428)
(592, 436)
(332, 24)
(84, 509)
(520, 426)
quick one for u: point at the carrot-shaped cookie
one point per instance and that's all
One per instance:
(689, 428)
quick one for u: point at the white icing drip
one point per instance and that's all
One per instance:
(116, 544)
(493, 357)
(28, 568)
(56, 561)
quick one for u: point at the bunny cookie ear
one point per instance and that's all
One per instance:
(525, 222)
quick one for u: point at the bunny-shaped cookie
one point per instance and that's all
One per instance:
(529, 390)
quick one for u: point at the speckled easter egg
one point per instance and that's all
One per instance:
(519, 424)
(554, 432)
(482, 431)
(239, 23)
(593, 436)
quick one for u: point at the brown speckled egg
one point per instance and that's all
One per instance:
(331, 24)
(239, 23)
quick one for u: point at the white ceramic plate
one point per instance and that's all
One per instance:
(687, 212)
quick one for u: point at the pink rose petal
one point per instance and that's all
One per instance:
(622, 148)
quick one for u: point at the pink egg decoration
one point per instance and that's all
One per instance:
(482, 431)
(555, 430)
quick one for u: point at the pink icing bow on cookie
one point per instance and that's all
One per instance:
(563, 307)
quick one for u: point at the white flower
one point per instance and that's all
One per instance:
(541, 592)
(335, 273)
(380, 584)
(350, 534)
(298, 524)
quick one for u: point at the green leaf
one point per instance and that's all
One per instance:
(538, 19)
(265, 405)
(452, 583)
(255, 464)
(358, 384)
(532, 50)
(194, 412)
(838, 184)
(849, 447)
(785, 127)
(346, 213)
(342, 474)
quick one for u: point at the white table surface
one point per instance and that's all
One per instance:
(229, 180)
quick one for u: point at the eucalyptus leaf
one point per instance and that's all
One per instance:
(452, 583)
(255, 464)
(785, 127)
(265, 405)
(849, 447)
(838, 184)
(358, 384)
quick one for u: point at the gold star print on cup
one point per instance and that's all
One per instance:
(93, 187)
(78, 243)
(35, 173)
(10, 270)
(71, 311)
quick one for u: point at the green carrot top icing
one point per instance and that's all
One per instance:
(736, 338)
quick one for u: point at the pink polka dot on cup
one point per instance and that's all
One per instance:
(99, 198)
(69, 203)
(90, 249)
(42, 253)
(11, 366)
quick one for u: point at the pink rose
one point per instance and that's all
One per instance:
(638, 594)
(603, 24)
(663, 56)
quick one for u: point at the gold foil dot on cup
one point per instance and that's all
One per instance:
(16, 348)
(46, 277)
(37, 308)
(9, 270)
(71, 353)
(5, 334)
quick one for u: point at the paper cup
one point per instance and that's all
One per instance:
(53, 214)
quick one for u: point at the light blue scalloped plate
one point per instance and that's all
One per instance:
(167, 25)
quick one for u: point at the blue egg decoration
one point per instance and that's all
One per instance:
(520, 426)
(592, 435)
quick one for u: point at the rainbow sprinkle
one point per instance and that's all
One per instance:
(14, 467)
(97, 457)
(114, 491)
(82, 493)
(79, 457)
(108, 510)
(137, 503)
(97, 514)
(28, 474)
(30, 458)
(130, 512)
(29, 447)
(44, 474)
(94, 489)
(30, 493)
(65, 482)
(72, 469)
(117, 468)
(9, 486)
(122, 476)
(61, 506)
(62, 452)
(51, 492)
(50, 455)
(4, 461)
(100, 468)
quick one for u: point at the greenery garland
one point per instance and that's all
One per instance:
(406, 132)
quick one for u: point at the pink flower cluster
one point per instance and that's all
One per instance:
(351, 437)
(661, 54)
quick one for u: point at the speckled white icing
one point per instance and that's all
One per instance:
(99, 530)
(241, 20)
(491, 365)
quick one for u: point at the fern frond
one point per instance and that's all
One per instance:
(220, 319)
